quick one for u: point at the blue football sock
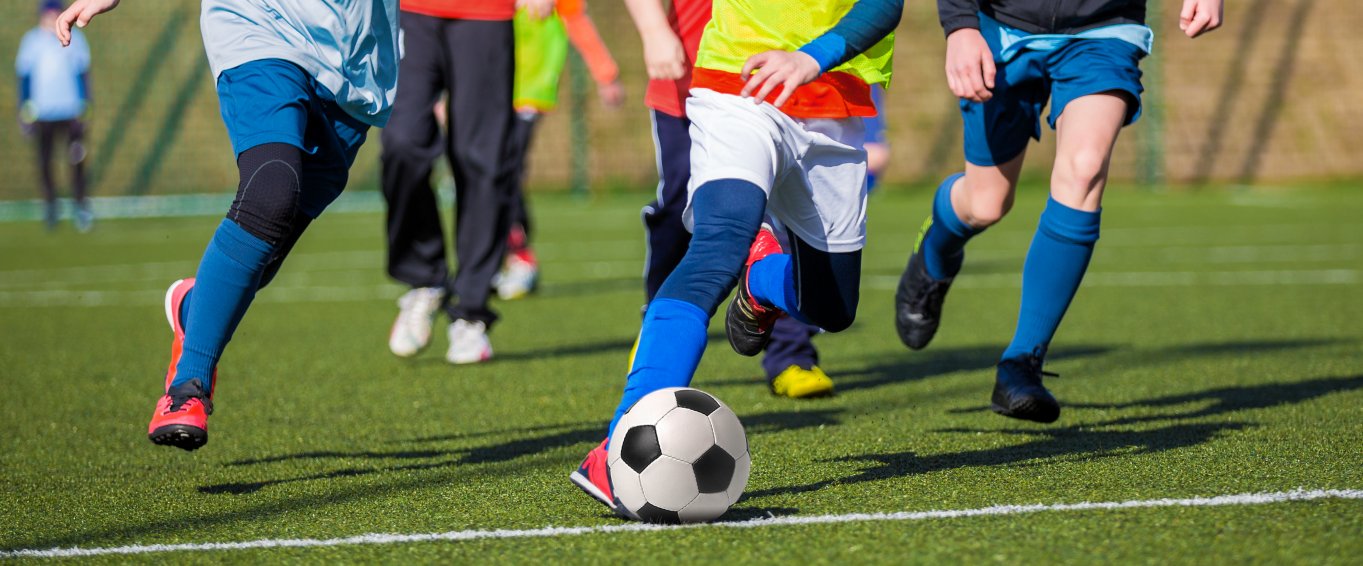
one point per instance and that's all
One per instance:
(670, 345)
(943, 243)
(1055, 265)
(228, 277)
(771, 280)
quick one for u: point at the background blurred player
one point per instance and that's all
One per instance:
(775, 125)
(1004, 60)
(541, 51)
(463, 49)
(54, 88)
(671, 39)
(299, 84)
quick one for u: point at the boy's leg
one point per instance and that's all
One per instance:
(481, 66)
(667, 237)
(790, 360)
(520, 271)
(75, 154)
(46, 141)
(1096, 90)
(411, 144)
(996, 135)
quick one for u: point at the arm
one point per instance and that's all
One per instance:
(79, 13)
(861, 28)
(1199, 16)
(582, 33)
(664, 54)
(957, 14)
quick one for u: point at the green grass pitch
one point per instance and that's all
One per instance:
(1216, 349)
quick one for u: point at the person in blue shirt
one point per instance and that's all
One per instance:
(300, 82)
(1005, 59)
(54, 87)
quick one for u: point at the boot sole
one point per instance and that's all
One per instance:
(181, 436)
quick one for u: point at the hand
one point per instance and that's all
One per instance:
(1199, 16)
(664, 55)
(786, 69)
(537, 9)
(970, 65)
(79, 13)
(612, 95)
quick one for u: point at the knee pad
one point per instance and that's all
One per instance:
(266, 205)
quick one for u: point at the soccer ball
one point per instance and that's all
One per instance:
(678, 455)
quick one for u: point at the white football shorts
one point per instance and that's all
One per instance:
(812, 169)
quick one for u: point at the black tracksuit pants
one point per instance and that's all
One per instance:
(473, 61)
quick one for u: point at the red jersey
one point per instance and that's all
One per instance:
(688, 19)
(494, 10)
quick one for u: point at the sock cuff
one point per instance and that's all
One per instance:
(944, 215)
(664, 308)
(241, 246)
(1070, 224)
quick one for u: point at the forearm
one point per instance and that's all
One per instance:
(861, 28)
(958, 14)
(25, 89)
(582, 33)
(649, 17)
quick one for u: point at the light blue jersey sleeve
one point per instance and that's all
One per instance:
(350, 46)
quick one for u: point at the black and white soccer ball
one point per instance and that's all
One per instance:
(679, 455)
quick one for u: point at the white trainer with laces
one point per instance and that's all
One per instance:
(468, 342)
(411, 331)
(517, 278)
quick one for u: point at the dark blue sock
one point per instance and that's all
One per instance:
(228, 277)
(1055, 265)
(771, 281)
(943, 241)
(670, 345)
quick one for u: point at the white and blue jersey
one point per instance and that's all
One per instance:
(52, 86)
(351, 47)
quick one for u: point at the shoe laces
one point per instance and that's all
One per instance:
(464, 330)
(181, 395)
(1032, 364)
(419, 302)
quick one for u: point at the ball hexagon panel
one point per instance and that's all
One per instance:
(639, 448)
(742, 467)
(685, 434)
(625, 484)
(696, 400)
(714, 470)
(729, 432)
(651, 407)
(705, 507)
(652, 514)
(669, 483)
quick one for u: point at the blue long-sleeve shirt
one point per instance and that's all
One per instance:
(52, 78)
(860, 29)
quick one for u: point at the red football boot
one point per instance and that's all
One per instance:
(181, 417)
(594, 478)
(747, 323)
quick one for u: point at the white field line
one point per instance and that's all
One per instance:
(546, 532)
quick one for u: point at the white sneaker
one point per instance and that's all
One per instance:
(516, 279)
(468, 343)
(412, 330)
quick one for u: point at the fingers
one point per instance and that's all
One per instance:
(755, 80)
(987, 65)
(64, 22)
(753, 63)
(787, 89)
(1198, 25)
(1185, 16)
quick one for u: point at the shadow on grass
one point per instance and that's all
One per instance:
(1055, 444)
(547, 438)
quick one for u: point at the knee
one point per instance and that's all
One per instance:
(266, 205)
(989, 207)
(398, 144)
(1081, 171)
(835, 320)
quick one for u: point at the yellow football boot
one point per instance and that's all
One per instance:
(800, 383)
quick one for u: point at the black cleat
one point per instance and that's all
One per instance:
(747, 323)
(1018, 392)
(918, 303)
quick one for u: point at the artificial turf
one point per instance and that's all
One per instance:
(1216, 349)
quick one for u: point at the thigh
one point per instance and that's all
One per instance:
(672, 141)
(732, 138)
(823, 200)
(1093, 66)
(265, 101)
(480, 69)
(335, 138)
(998, 130)
(411, 126)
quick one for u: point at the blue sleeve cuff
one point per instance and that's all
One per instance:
(829, 50)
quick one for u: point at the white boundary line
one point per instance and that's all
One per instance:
(385, 538)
